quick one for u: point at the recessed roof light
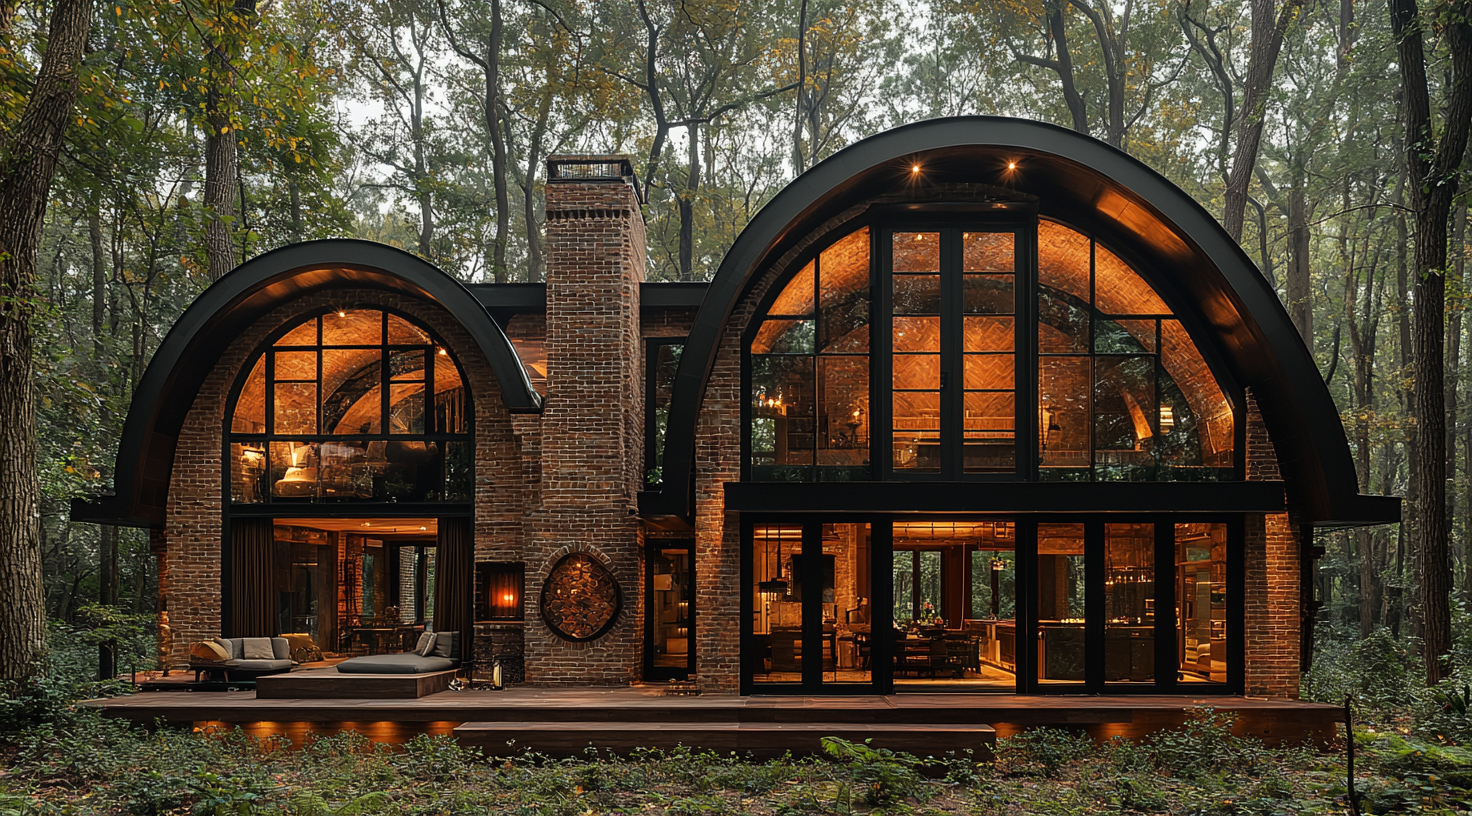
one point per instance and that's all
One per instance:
(341, 313)
(915, 169)
(1011, 165)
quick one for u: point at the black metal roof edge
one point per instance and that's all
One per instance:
(1028, 498)
(1297, 406)
(190, 350)
(521, 298)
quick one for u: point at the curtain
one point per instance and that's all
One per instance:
(454, 576)
(252, 590)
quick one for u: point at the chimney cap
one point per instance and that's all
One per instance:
(592, 167)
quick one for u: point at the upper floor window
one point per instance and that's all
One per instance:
(352, 405)
(936, 386)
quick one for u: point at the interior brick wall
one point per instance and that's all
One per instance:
(592, 427)
(189, 585)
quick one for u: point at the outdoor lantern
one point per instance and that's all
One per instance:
(998, 565)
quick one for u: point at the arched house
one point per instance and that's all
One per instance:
(976, 404)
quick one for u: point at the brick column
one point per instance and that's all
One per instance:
(1272, 565)
(592, 441)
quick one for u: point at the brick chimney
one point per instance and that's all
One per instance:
(592, 426)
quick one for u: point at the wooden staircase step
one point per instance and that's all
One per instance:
(570, 738)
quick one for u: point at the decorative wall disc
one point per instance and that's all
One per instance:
(581, 598)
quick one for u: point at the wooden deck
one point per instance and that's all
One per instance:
(550, 719)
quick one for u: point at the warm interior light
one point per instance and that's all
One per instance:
(422, 529)
(367, 524)
(443, 352)
(1011, 165)
(915, 168)
(1167, 419)
(509, 598)
(341, 313)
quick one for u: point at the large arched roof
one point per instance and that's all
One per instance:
(192, 347)
(1087, 183)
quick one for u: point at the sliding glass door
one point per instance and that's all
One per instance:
(1104, 605)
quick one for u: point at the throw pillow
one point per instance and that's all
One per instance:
(425, 646)
(231, 647)
(208, 651)
(445, 644)
(257, 649)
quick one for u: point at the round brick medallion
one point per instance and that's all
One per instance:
(581, 598)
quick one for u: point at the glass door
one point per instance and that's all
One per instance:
(669, 624)
(813, 622)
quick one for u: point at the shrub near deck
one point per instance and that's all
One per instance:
(73, 761)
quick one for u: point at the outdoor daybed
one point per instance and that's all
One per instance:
(239, 659)
(436, 652)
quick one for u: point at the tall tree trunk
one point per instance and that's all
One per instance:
(99, 277)
(1267, 40)
(498, 145)
(687, 207)
(294, 190)
(799, 162)
(1432, 164)
(27, 163)
(1300, 297)
(107, 595)
(221, 151)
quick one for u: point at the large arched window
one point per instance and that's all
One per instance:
(933, 385)
(352, 405)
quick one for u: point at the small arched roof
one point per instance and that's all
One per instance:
(192, 347)
(1085, 182)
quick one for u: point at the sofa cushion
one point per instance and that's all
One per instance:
(257, 649)
(280, 648)
(231, 645)
(406, 663)
(425, 646)
(250, 664)
(447, 645)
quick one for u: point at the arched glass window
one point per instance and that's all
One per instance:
(1123, 392)
(810, 372)
(1120, 391)
(354, 405)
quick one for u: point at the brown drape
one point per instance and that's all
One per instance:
(454, 578)
(252, 588)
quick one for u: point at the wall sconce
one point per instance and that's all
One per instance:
(1050, 424)
(1167, 419)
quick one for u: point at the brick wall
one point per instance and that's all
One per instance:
(592, 428)
(1272, 565)
(189, 585)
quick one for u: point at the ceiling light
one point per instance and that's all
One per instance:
(915, 168)
(1011, 165)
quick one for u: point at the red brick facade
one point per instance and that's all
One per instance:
(568, 479)
(189, 582)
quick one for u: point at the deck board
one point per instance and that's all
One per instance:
(1100, 716)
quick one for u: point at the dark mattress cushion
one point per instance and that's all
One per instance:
(406, 663)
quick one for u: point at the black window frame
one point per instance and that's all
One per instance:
(883, 221)
(271, 505)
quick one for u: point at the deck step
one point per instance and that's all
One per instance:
(757, 738)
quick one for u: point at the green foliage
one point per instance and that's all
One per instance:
(1377, 671)
(1041, 751)
(882, 776)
